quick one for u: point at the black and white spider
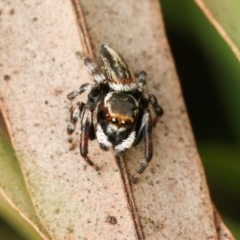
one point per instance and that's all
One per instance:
(122, 108)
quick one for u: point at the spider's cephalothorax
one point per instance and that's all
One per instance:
(121, 103)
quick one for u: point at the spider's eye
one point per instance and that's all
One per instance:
(123, 122)
(114, 120)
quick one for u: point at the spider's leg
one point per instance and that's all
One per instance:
(142, 77)
(98, 76)
(93, 68)
(87, 125)
(86, 132)
(156, 107)
(146, 130)
(83, 88)
(75, 114)
(91, 130)
(142, 121)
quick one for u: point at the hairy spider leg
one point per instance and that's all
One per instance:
(97, 76)
(142, 77)
(87, 126)
(145, 130)
(74, 116)
(76, 112)
(95, 71)
(156, 107)
(87, 130)
(83, 88)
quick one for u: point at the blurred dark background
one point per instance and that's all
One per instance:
(210, 78)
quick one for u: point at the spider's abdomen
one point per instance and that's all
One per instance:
(118, 74)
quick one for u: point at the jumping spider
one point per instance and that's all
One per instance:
(123, 116)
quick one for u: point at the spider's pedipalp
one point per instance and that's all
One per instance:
(102, 138)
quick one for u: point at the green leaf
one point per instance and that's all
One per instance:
(233, 225)
(224, 15)
(192, 25)
(13, 187)
(222, 167)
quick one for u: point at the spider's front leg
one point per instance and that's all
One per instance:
(87, 132)
(87, 126)
(145, 130)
